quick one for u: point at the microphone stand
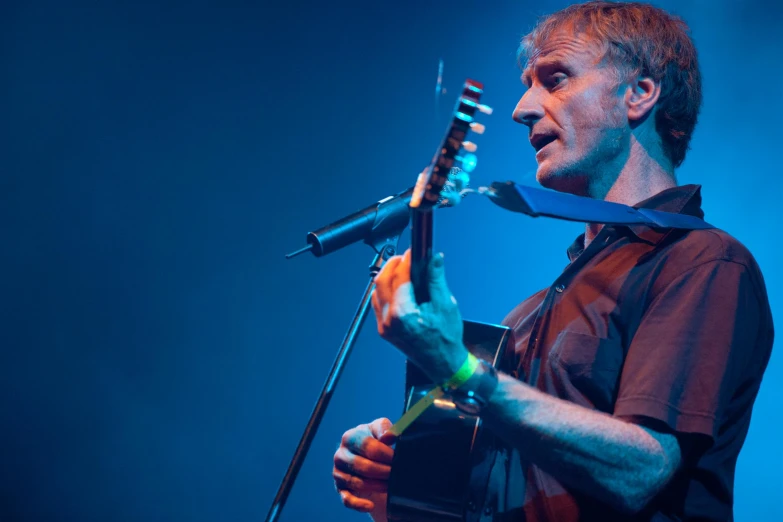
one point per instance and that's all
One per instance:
(384, 248)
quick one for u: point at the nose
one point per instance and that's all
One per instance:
(529, 109)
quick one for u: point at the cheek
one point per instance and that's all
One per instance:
(585, 130)
(595, 120)
(587, 117)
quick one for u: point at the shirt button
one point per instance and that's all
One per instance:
(559, 288)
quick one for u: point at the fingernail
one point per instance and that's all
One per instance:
(439, 259)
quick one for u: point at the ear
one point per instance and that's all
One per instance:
(641, 97)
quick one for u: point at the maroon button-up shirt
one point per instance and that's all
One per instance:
(668, 326)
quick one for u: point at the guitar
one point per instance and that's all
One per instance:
(442, 460)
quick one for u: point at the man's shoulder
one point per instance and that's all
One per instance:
(704, 250)
(696, 247)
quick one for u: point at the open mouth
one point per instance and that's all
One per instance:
(540, 141)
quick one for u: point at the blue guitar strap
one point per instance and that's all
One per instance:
(539, 202)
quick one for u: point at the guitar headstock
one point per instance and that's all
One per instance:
(427, 192)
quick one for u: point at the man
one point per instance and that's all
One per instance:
(636, 371)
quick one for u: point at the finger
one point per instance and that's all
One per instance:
(358, 485)
(388, 438)
(364, 444)
(404, 301)
(378, 308)
(379, 426)
(353, 502)
(402, 272)
(349, 462)
(380, 430)
(384, 280)
(440, 295)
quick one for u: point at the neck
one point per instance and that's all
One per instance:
(642, 176)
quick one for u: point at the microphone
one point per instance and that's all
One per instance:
(379, 221)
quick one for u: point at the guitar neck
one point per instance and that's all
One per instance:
(427, 191)
(421, 252)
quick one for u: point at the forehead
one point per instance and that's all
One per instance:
(578, 49)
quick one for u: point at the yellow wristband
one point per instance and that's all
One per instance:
(463, 374)
(417, 409)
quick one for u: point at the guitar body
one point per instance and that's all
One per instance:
(442, 461)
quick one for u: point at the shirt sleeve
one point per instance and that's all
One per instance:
(691, 349)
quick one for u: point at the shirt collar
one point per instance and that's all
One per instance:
(678, 200)
(685, 199)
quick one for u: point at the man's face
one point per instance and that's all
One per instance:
(575, 112)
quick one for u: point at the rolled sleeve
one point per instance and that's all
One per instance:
(684, 361)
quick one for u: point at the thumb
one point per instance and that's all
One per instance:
(388, 437)
(380, 430)
(380, 426)
(439, 290)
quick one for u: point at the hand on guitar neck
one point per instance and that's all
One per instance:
(429, 334)
(362, 465)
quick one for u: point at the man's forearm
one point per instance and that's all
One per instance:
(617, 462)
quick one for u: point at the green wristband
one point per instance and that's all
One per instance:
(465, 372)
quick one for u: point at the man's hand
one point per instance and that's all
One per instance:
(362, 465)
(429, 334)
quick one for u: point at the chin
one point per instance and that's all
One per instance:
(559, 179)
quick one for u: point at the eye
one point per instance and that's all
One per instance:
(557, 78)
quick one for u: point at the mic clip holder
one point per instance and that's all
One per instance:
(377, 226)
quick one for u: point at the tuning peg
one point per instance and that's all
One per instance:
(459, 179)
(478, 128)
(468, 162)
(469, 146)
(486, 109)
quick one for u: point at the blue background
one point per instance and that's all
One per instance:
(159, 355)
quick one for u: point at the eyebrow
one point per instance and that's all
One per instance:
(525, 77)
(545, 62)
